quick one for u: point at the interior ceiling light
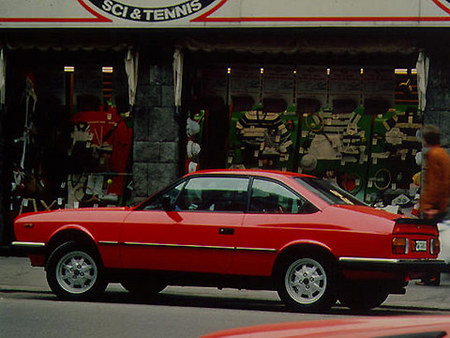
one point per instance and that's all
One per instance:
(401, 71)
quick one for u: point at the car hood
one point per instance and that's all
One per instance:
(336, 328)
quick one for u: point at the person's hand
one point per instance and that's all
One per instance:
(430, 213)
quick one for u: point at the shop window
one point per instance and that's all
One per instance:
(69, 82)
(107, 83)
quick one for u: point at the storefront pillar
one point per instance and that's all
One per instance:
(437, 111)
(156, 140)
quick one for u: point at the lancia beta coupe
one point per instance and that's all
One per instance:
(252, 229)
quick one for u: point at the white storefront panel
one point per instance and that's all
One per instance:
(224, 13)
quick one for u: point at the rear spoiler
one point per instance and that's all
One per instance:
(415, 221)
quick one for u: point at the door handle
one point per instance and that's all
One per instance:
(226, 231)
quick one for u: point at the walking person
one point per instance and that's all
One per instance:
(435, 189)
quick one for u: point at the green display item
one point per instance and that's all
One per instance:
(352, 165)
(369, 161)
(200, 119)
(391, 167)
(243, 154)
(369, 173)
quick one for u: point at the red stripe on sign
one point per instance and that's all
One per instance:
(321, 19)
(97, 17)
(442, 6)
(204, 16)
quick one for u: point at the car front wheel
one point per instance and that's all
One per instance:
(307, 284)
(74, 272)
(143, 288)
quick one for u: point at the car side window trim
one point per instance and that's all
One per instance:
(218, 176)
(159, 194)
(283, 185)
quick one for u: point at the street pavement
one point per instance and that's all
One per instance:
(17, 276)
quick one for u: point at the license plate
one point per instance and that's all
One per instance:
(421, 245)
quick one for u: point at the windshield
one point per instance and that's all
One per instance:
(328, 191)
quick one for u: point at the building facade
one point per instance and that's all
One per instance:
(105, 102)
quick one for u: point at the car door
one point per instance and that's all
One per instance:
(198, 235)
(275, 217)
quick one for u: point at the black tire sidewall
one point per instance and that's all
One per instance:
(360, 298)
(51, 272)
(327, 300)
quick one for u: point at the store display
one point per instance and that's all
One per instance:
(353, 122)
(261, 139)
(194, 134)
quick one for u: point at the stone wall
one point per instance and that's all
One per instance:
(437, 111)
(156, 132)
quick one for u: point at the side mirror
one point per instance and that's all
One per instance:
(166, 203)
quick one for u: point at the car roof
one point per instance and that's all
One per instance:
(249, 172)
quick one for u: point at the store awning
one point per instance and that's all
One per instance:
(57, 41)
(291, 45)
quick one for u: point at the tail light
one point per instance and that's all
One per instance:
(400, 245)
(435, 246)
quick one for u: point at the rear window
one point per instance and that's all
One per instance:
(328, 191)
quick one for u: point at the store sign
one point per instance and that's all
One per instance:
(138, 11)
(224, 13)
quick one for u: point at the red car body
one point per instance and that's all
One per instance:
(366, 327)
(240, 245)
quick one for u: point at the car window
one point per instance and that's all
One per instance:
(328, 191)
(213, 194)
(156, 202)
(271, 197)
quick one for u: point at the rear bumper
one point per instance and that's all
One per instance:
(393, 265)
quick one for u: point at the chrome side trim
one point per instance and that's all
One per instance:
(108, 242)
(257, 249)
(28, 244)
(388, 260)
(192, 246)
(189, 246)
(369, 260)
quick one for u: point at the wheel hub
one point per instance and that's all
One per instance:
(76, 272)
(306, 281)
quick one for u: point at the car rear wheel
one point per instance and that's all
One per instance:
(307, 284)
(74, 272)
(362, 297)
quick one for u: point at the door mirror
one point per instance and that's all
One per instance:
(166, 203)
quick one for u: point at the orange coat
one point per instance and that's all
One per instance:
(436, 180)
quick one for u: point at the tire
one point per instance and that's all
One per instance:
(143, 288)
(75, 272)
(362, 297)
(307, 284)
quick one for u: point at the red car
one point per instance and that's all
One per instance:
(363, 327)
(299, 235)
